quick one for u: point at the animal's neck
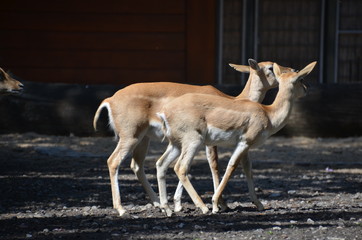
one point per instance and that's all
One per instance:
(253, 90)
(281, 108)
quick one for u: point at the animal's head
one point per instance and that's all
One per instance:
(9, 85)
(293, 80)
(262, 70)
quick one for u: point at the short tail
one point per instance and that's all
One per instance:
(165, 126)
(104, 104)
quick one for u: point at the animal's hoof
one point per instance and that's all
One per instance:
(167, 210)
(215, 210)
(178, 207)
(205, 210)
(121, 212)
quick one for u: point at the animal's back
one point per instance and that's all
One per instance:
(219, 119)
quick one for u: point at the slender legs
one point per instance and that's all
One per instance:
(120, 153)
(212, 158)
(139, 150)
(182, 167)
(137, 165)
(177, 197)
(170, 155)
(249, 178)
(239, 153)
(211, 154)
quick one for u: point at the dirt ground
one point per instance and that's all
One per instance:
(55, 187)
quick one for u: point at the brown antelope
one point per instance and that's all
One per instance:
(9, 85)
(132, 116)
(193, 120)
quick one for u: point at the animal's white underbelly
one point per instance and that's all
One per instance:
(218, 137)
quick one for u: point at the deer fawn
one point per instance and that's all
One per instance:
(196, 119)
(132, 116)
(9, 85)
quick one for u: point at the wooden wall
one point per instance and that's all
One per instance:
(110, 41)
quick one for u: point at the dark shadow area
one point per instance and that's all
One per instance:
(63, 109)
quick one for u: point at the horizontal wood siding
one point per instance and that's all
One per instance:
(105, 6)
(48, 40)
(86, 22)
(116, 76)
(82, 42)
(201, 41)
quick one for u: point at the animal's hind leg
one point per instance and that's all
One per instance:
(170, 155)
(249, 178)
(182, 168)
(120, 153)
(177, 197)
(137, 165)
(212, 158)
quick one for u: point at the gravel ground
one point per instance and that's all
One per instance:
(55, 187)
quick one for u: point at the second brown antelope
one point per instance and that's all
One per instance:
(9, 85)
(193, 120)
(132, 116)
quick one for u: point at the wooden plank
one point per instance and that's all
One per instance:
(200, 42)
(108, 6)
(85, 42)
(40, 40)
(93, 59)
(98, 76)
(76, 22)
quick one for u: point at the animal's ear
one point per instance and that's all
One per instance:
(253, 64)
(240, 68)
(305, 71)
(277, 71)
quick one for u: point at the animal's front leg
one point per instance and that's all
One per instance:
(240, 152)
